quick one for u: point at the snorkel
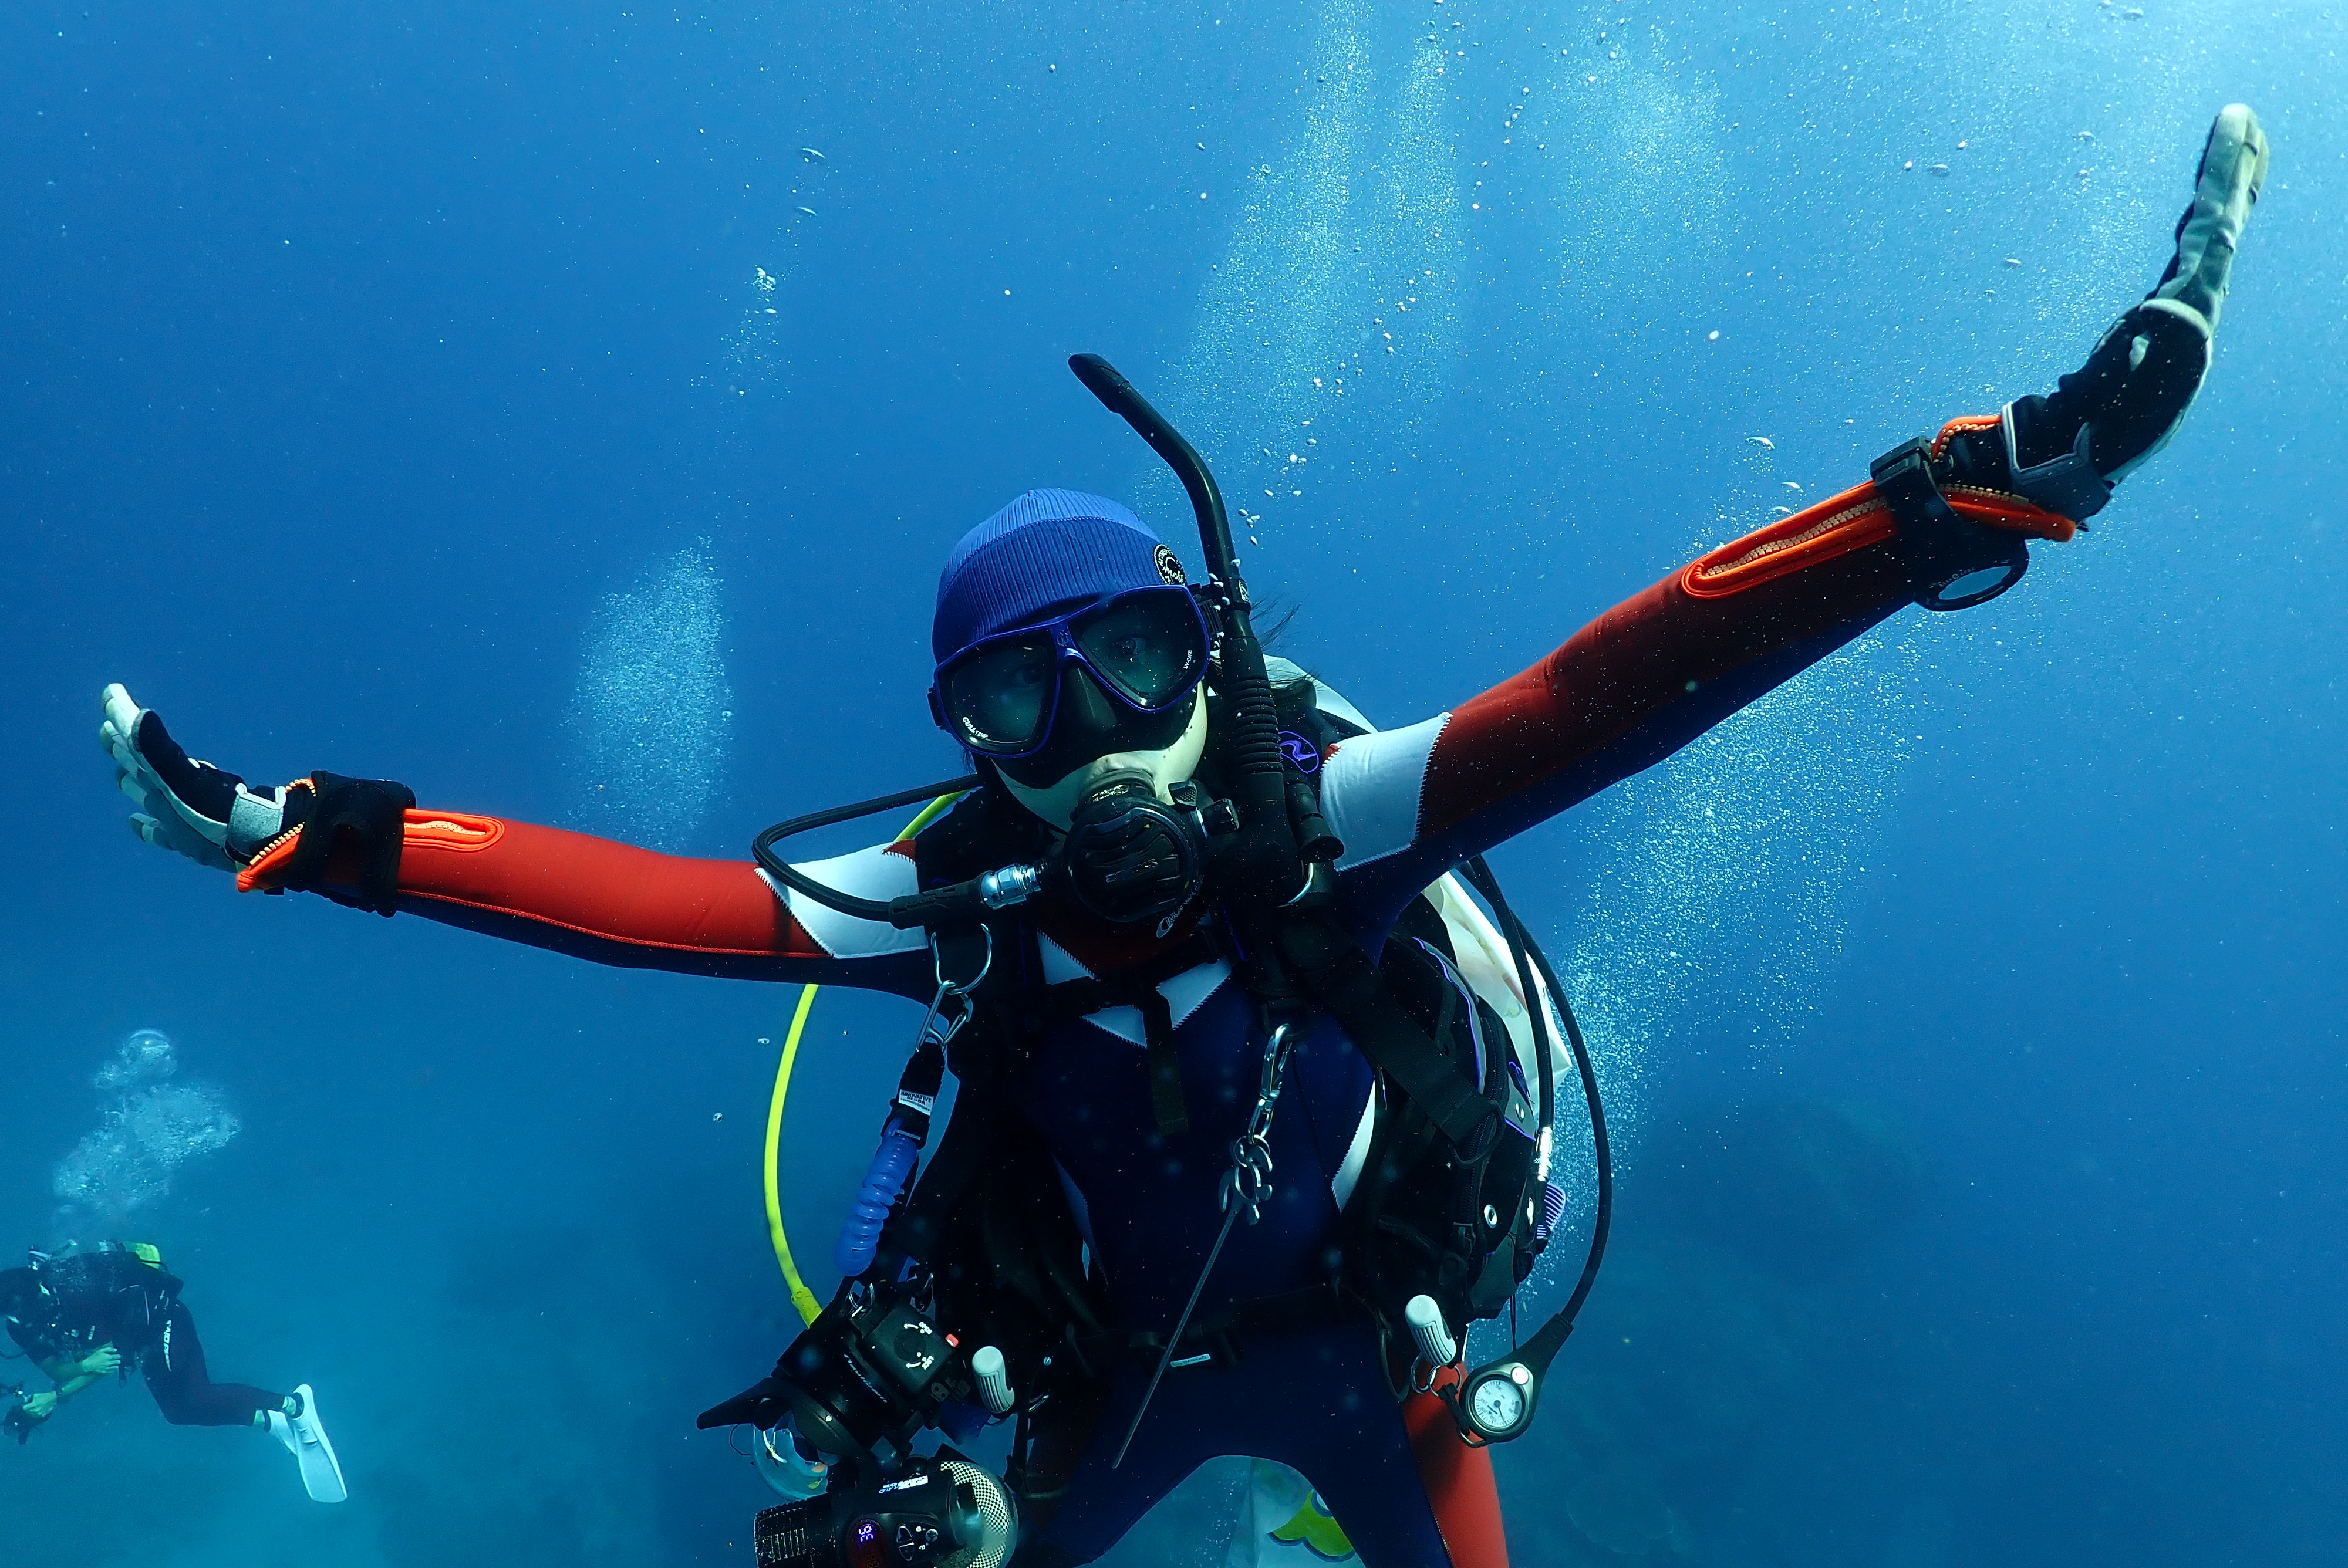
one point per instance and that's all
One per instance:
(1280, 833)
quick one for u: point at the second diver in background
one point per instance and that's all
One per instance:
(88, 1314)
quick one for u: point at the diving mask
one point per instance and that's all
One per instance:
(1145, 648)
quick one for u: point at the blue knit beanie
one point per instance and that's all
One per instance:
(1048, 552)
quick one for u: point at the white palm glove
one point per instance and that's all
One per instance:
(2233, 169)
(2067, 451)
(189, 806)
(215, 818)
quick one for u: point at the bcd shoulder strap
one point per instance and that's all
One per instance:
(1344, 979)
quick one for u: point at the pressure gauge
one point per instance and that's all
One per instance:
(1499, 1401)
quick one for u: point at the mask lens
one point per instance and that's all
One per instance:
(1000, 696)
(1149, 646)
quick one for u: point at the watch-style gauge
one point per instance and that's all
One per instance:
(1499, 1400)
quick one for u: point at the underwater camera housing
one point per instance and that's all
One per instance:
(872, 1370)
(940, 1512)
(860, 1383)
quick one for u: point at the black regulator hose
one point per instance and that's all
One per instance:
(1263, 866)
(1542, 1347)
(1512, 930)
(913, 910)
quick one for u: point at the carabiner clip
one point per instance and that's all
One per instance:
(936, 1025)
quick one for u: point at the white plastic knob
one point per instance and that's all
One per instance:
(994, 1380)
(1433, 1336)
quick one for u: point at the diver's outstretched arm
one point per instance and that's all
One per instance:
(1942, 522)
(362, 841)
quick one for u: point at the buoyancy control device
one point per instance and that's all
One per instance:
(106, 1292)
(980, 1295)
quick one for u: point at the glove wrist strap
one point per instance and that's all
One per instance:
(256, 818)
(347, 846)
(2069, 486)
(1951, 563)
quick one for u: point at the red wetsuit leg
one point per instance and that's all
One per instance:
(1459, 1485)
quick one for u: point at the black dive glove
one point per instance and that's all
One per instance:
(2065, 452)
(213, 818)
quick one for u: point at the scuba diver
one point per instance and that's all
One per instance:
(81, 1314)
(1191, 922)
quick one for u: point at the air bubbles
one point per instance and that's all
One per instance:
(146, 1056)
(1736, 855)
(151, 1123)
(754, 355)
(651, 716)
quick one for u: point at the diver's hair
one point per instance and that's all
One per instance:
(1279, 617)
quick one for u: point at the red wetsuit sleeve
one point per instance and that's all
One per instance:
(1650, 674)
(592, 897)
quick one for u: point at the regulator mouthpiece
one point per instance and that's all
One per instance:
(1131, 858)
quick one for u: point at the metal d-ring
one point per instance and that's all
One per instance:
(938, 966)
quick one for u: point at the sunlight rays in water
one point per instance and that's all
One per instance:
(1337, 285)
(1633, 178)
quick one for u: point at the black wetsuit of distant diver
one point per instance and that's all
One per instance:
(118, 1298)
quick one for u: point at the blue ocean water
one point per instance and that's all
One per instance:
(507, 401)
